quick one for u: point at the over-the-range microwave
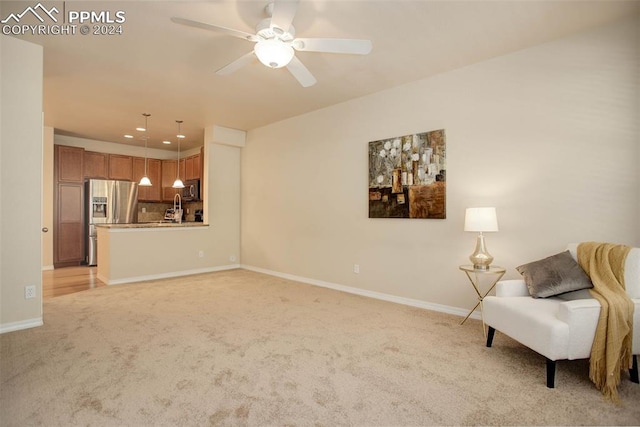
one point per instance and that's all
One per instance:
(191, 191)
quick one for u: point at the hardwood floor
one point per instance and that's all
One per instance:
(64, 281)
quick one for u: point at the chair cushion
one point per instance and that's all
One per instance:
(554, 275)
(532, 322)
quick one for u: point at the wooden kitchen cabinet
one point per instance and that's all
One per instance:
(120, 167)
(192, 167)
(69, 164)
(182, 170)
(68, 213)
(68, 225)
(169, 171)
(96, 165)
(154, 172)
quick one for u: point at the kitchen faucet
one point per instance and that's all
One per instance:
(177, 208)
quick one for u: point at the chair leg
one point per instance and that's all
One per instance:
(551, 373)
(633, 372)
(492, 332)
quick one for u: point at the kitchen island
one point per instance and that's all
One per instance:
(146, 251)
(134, 253)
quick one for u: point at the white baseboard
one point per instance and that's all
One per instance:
(371, 294)
(23, 324)
(47, 267)
(167, 275)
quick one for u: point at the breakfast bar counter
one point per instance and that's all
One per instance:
(144, 251)
(152, 225)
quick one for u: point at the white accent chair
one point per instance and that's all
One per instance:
(561, 327)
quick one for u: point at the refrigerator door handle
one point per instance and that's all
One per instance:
(116, 208)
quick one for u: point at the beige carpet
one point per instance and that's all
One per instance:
(242, 348)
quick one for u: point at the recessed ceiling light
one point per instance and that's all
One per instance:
(128, 136)
(140, 129)
(181, 136)
(166, 142)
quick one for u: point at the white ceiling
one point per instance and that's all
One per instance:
(97, 87)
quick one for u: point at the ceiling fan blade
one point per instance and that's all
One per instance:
(351, 46)
(235, 65)
(301, 73)
(283, 13)
(216, 28)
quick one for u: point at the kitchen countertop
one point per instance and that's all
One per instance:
(155, 224)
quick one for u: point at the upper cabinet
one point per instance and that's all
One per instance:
(120, 167)
(193, 167)
(169, 172)
(96, 165)
(182, 170)
(69, 163)
(75, 164)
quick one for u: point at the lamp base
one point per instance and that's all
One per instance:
(480, 258)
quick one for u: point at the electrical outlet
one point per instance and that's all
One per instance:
(201, 254)
(29, 292)
(232, 258)
(356, 268)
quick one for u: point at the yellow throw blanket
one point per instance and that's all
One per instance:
(611, 349)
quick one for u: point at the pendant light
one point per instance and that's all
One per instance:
(178, 182)
(145, 181)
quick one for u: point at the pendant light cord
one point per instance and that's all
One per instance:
(146, 139)
(179, 137)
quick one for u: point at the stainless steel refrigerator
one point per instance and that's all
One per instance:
(107, 202)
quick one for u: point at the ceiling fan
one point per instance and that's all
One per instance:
(275, 42)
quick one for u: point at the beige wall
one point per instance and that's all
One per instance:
(548, 135)
(47, 198)
(20, 168)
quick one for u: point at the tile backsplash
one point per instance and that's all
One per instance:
(155, 211)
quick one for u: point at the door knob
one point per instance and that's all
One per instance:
(45, 229)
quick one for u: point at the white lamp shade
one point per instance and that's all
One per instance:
(178, 183)
(273, 53)
(145, 182)
(481, 219)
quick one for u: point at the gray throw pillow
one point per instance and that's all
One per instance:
(554, 275)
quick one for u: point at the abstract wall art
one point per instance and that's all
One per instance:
(407, 176)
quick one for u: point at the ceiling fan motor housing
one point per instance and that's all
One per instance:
(264, 30)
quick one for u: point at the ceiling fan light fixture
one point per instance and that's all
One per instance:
(273, 53)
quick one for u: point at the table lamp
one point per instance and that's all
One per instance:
(481, 220)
